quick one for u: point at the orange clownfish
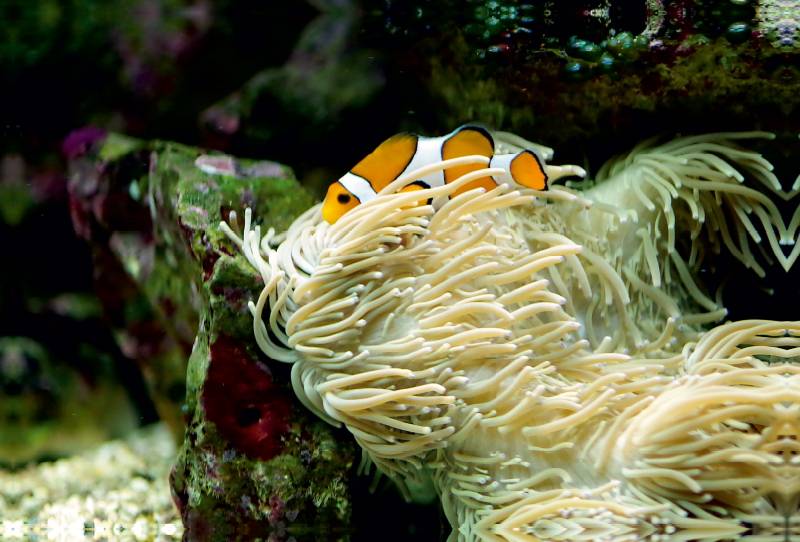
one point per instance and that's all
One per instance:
(405, 152)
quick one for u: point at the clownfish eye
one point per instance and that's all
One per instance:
(344, 199)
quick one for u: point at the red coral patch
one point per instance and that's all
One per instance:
(241, 398)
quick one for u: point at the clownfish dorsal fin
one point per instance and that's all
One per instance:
(527, 169)
(466, 141)
(388, 161)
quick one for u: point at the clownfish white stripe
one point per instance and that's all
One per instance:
(358, 187)
(524, 168)
(503, 161)
(429, 151)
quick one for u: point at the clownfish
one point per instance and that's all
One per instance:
(406, 152)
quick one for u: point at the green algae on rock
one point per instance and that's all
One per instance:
(251, 457)
(714, 85)
(728, 72)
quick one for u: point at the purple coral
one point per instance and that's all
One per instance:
(80, 141)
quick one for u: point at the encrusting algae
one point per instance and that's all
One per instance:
(540, 355)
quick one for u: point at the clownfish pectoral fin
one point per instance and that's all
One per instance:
(418, 186)
(388, 161)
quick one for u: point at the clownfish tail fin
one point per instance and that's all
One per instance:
(528, 170)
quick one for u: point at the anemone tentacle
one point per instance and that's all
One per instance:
(542, 355)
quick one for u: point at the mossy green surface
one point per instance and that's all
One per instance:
(116, 146)
(699, 84)
(299, 480)
(196, 282)
(304, 483)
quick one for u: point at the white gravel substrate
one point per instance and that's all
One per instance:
(119, 491)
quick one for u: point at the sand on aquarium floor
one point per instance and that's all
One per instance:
(118, 491)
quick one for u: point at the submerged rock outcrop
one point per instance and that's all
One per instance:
(252, 459)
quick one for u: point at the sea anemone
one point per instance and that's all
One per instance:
(668, 210)
(515, 346)
(722, 441)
